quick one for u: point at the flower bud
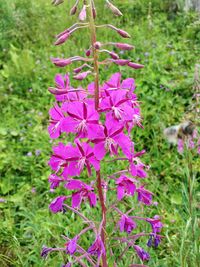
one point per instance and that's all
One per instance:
(123, 33)
(83, 14)
(97, 45)
(121, 62)
(57, 2)
(62, 38)
(135, 65)
(114, 9)
(88, 53)
(73, 10)
(82, 76)
(114, 55)
(123, 46)
(59, 62)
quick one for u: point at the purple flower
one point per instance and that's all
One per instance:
(144, 195)
(126, 224)
(180, 146)
(55, 181)
(82, 119)
(56, 121)
(57, 204)
(84, 191)
(71, 246)
(110, 139)
(125, 186)
(97, 248)
(154, 240)
(136, 166)
(155, 224)
(37, 152)
(29, 154)
(142, 254)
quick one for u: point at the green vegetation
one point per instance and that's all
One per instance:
(167, 42)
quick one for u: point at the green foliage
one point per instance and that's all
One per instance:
(167, 42)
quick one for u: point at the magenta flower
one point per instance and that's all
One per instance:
(142, 254)
(84, 192)
(57, 204)
(83, 119)
(110, 139)
(136, 166)
(115, 83)
(62, 85)
(71, 246)
(57, 117)
(64, 92)
(125, 186)
(55, 181)
(155, 224)
(144, 195)
(60, 155)
(126, 224)
(117, 103)
(97, 248)
(82, 155)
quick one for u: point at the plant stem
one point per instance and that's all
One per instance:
(103, 210)
(95, 56)
(96, 83)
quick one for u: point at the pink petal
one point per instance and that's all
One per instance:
(120, 192)
(73, 185)
(59, 81)
(76, 200)
(69, 125)
(99, 150)
(92, 199)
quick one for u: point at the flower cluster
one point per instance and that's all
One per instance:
(98, 121)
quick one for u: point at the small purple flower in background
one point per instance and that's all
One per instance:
(33, 190)
(2, 200)
(29, 154)
(180, 146)
(142, 254)
(37, 152)
(126, 224)
(125, 186)
(57, 204)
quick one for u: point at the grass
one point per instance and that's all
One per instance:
(168, 45)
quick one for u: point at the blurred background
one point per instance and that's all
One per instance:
(166, 36)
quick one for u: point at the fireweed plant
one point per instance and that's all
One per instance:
(100, 119)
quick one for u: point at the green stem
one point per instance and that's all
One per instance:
(96, 82)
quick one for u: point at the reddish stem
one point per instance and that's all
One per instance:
(103, 210)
